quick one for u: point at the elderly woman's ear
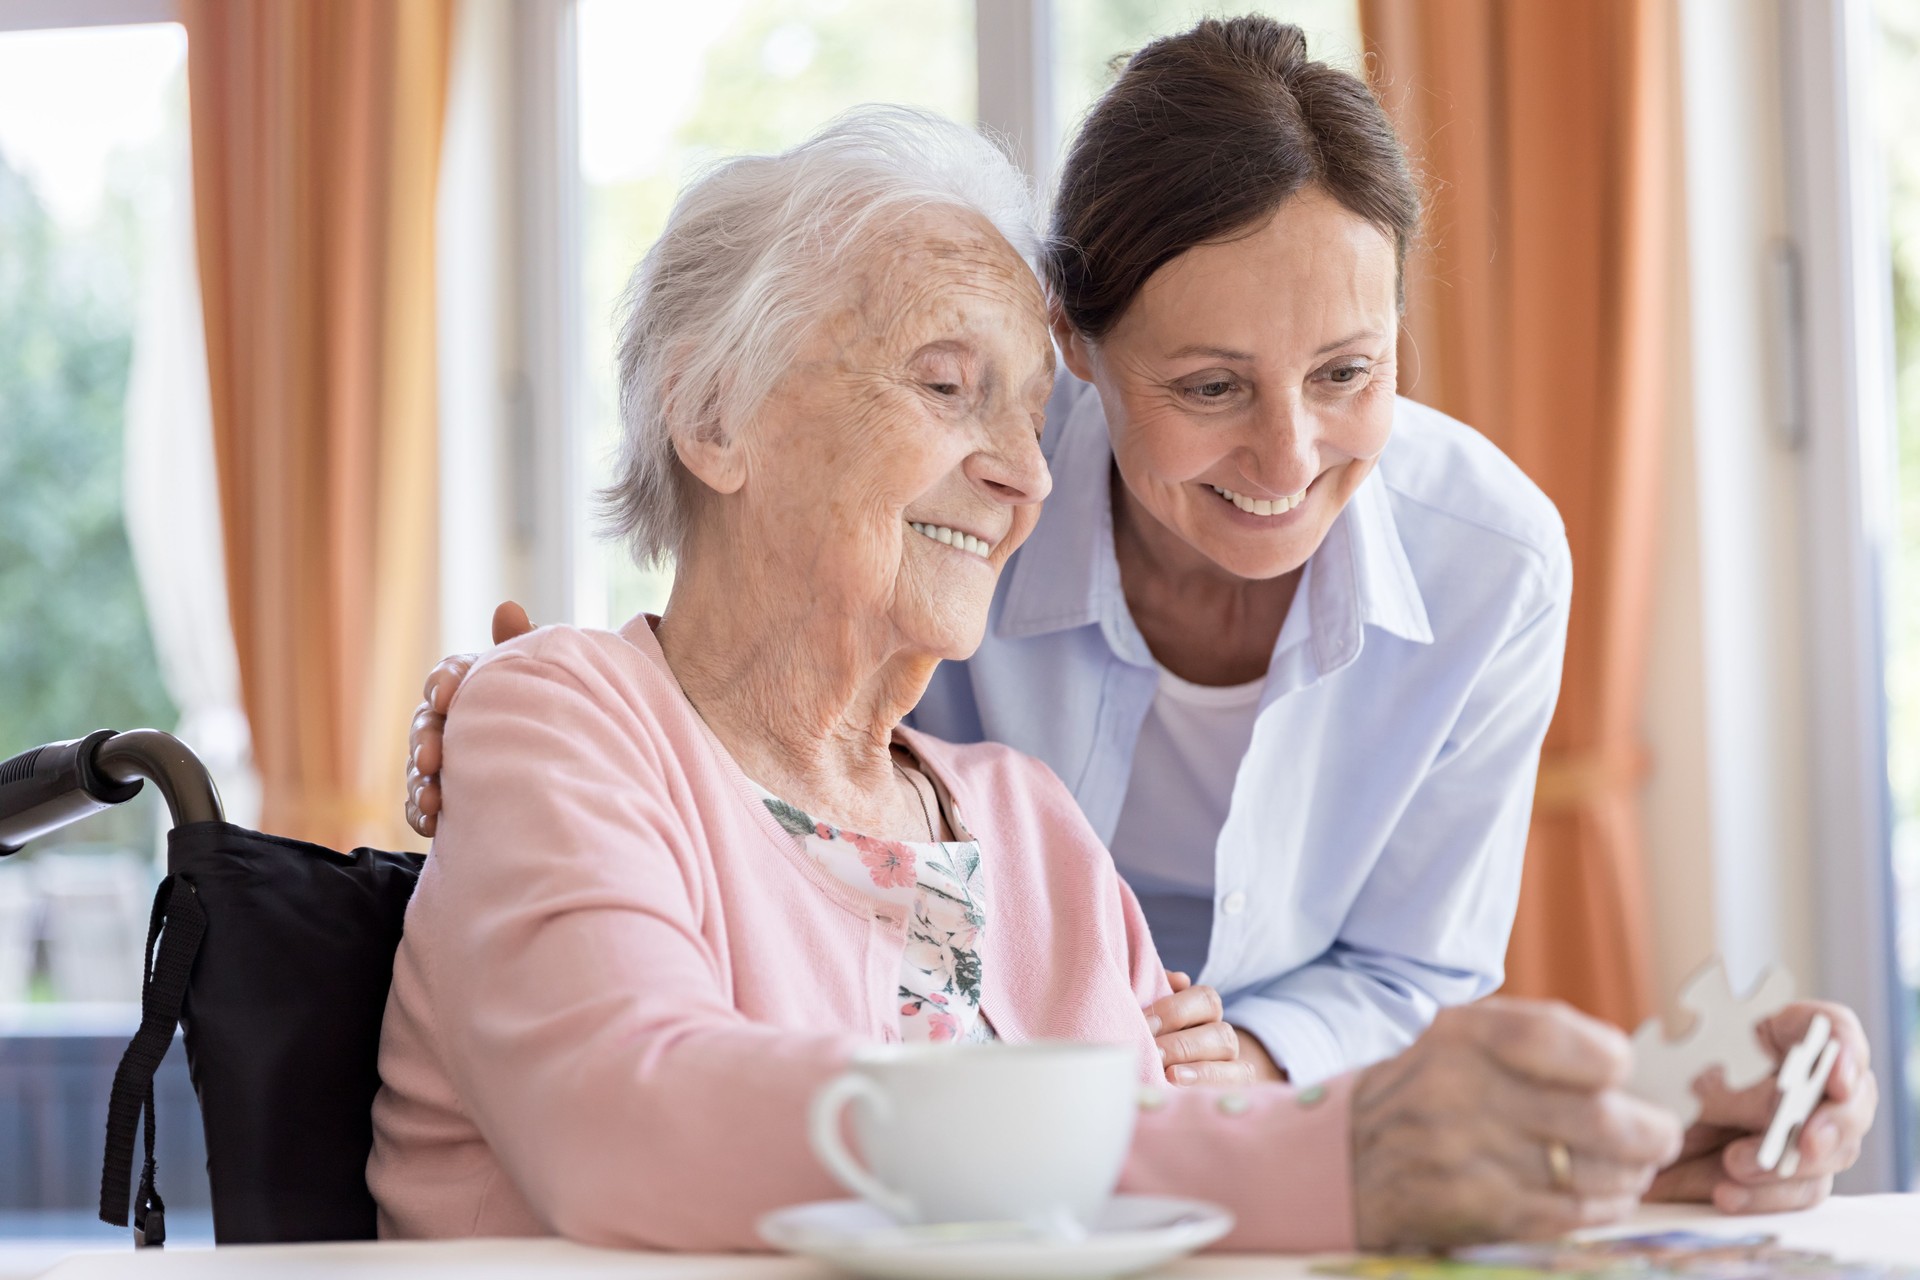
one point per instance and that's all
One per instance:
(714, 456)
(702, 439)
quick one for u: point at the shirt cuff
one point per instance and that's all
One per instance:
(1294, 1036)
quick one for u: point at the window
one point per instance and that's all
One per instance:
(663, 90)
(87, 119)
(99, 331)
(1896, 79)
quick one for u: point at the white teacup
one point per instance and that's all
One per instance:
(982, 1133)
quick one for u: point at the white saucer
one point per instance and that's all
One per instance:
(1134, 1234)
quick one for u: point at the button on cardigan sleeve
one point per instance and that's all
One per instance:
(1430, 928)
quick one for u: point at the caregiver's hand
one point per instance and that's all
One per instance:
(1453, 1141)
(425, 740)
(1720, 1160)
(1196, 1046)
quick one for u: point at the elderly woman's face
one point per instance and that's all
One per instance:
(1249, 386)
(897, 465)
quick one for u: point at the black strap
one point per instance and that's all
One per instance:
(177, 927)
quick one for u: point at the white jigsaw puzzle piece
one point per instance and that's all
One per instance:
(1722, 1035)
(1802, 1082)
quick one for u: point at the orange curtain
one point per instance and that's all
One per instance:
(1538, 312)
(316, 143)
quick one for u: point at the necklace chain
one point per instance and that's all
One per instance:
(933, 836)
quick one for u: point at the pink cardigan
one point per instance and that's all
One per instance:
(621, 981)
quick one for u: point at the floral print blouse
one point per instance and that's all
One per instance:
(938, 886)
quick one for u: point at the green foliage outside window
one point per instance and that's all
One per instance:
(75, 654)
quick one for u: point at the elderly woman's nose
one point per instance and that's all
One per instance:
(1011, 467)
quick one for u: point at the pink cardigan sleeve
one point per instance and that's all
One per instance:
(583, 1017)
(1279, 1157)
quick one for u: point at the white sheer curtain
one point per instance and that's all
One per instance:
(173, 508)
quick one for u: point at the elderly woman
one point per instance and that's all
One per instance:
(685, 871)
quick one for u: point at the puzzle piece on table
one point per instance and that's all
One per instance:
(1802, 1082)
(1722, 1035)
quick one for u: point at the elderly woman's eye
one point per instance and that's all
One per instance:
(1347, 374)
(944, 388)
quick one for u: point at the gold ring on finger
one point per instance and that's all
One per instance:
(1560, 1165)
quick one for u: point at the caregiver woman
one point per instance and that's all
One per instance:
(1292, 642)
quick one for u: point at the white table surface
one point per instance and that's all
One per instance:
(1863, 1228)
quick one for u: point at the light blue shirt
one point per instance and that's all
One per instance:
(1367, 870)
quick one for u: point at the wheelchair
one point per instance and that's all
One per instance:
(273, 956)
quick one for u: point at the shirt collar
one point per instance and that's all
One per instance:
(1066, 576)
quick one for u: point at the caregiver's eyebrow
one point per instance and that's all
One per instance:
(1218, 353)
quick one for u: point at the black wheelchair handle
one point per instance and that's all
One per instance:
(53, 786)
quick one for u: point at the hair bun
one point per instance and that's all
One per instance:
(1278, 47)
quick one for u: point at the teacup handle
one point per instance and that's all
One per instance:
(823, 1125)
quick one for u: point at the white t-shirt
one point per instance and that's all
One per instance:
(1184, 768)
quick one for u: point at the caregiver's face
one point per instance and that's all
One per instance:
(899, 459)
(1249, 386)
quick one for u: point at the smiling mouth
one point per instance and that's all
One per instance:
(952, 538)
(1262, 506)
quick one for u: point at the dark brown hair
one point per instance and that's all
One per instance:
(1203, 136)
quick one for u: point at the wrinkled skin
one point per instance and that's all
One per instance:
(918, 397)
(1450, 1138)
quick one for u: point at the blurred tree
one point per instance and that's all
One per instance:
(75, 654)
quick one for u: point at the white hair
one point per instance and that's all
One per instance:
(753, 254)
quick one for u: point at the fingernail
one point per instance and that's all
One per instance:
(1185, 1075)
(1153, 1023)
(1735, 1199)
(1163, 1057)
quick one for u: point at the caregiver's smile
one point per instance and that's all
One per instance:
(1262, 508)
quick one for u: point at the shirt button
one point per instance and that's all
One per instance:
(1311, 1096)
(1234, 903)
(1234, 1104)
(1152, 1099)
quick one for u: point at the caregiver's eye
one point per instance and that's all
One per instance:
(1209, 390)
(1346, 375)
